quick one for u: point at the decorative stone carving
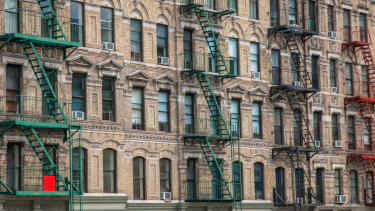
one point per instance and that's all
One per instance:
(165, 81)
(109, 68)
(68, 79)
(115, 127)
(12, 207)
(128, 155)
(278, 98)
(246, 106)
(182, 165)
(127, 92)
(332, 46)
(314, 43)
(144, 136)
(258, 94)
(95, 147)
(236, 89)
(121, 147)
(14, 47)
(120, 85)
(175, 158)
(152, 156)
(151, 95)
(93, 82)
(79, 64)
(317, 98)
(173, 98)
(139, 77)
(53, 207)
(335, 100)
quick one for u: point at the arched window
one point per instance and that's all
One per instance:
(139, 178)
(353, 187)
(258, 179)
(76, 172)
(279, 191)
(165, 175)
(109, 170)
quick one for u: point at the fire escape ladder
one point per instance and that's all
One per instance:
(369, 179)
(369, 64)
(50, 17)
(368, 119)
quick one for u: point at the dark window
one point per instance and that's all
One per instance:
(298, 141)
(274, 13)
(332, 72)
(213, 116)
(314, 72)
(76, 27)
(238, 188)
(300, 186)
(254, 56)
(348, 78)
(312, 15)
(188, 57)
(363, 27)
(163, 107)
(189, 113)
(106, 18)
(337, 181)
(78, 93)
(46, 31)
(365, 82)
(366, 135)
(12, 88)
(292, 12)
(257, 120)
(162, 40)
(253, 9)
(295, 66)
(190, 176)
(137, 109)
(233, 56)
(275, 67)
(278, 126)
(76, 168)
(14, 168)
(351, 136)
(108, 97)
(235, 118)
(139, 178)
(316, 120)
(330, 17)
(109, 170)
(136, 40)
(319, 184)
(346, 28)
(165, 175)
(258, 179)
(335, 127)
(280, 188)
(353, 187)
(369, 182)
(49, 160)
(52, 78)
(216, 180)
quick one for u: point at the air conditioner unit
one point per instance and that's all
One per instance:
(299, 200)
(332, 35)
(295, 25)
(232, 10)
(337, 144)
(107, 116)
(317, 143)
(163, 60)
(341, 199)
(78, 114)
(255, 75)
(166, 196)
(108, 46)
(333, 89)
(296, 83)
(353, 199)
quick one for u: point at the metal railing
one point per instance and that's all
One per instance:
(217, 5)
(30, 22)
(28, 178)
(284, 76)
(206, 190)
(282, 195)
(351, 145)
(356, 34)
(358, 88)
(35, 109)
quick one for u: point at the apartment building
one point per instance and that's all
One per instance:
(124, 76)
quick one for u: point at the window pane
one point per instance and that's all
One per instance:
(137, 96)
(135, 25)
(105, 14)
(75, 11)
(275, 58)
(135, 46)
(136, 36)
(234, 109)
(163, 117)
(233, 48)
(109, 159)
(161, 31)
(277, 117)
(163, 97)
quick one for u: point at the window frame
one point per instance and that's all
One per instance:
(319, 187)
(168, 123)
(143, 178)
(140, 42)
(349, 129)
(274, 4)
(332, 73)
(349, 80)
(166, 39)
(83, 97)
(335, 127)
(188, 54)
(259, 135)
(112, 24)
(260, 182)
(191, 182)
(337, 178)
(278, 126)
(83, 40)
(295, 12)
(257, 61)
(280, 188)
(15, 169)
(84, 169)
(114, 171)
(346, 28)
(234, 61)
(112, 100)
(315, 71)
(142, 109)
(252, 3)
(330, 16)
(317, 125)
(355, 182)
(169, 174)
(189, 129)
(237, 117)
(276, 70)
(313, 17)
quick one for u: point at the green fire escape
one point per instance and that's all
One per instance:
(219, 130)
(41, 117)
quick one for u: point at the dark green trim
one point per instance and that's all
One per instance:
(41, 40)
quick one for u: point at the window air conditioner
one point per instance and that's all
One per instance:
(337, 144)
(296, 83)
(255, 75)
(332, 35)
(107, 116)
(299, 200)
(166, 196)
(78, 114)
(333, 89)
(163, 60)
(341, 199)
(317, 143)
(295, 25)
(232, 10)
(108, 46)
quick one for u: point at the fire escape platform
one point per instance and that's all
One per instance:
(277, 151)
(359, 99)
(42, 193)
(296, 88)
(355, 44)
(296, 31)
(40, 125)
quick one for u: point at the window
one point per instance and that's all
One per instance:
(337, 181)
(11, 16)
(165, 175)
(314, 72)
(346, 28)
(330, 17)
(351, 137)
(332, 72)
(108, 99)
(13, 168)
(258, 179)
(233, 56)
(353, 187)
(348, 78)
(365, 82)
(51, 160)
(369, 182)
(162, 40)
(335, 127)
(238, 188)
(12, 88)
(233, 4)
(139, 178)
(76, 168)
(280, 197)
(300, 186)
(189, 114)
(254, 56)
(253, 9)
(190, 176)
(274, 11)
(137, 109)
(106, 18)
(215, 179)
(363, 27)
(211, 48)
(292, 12)
(46, 31)
(163, 107)
(136, 40)
(257, 120)
(366, 135)
(295, 66)
(76, 26)
(312, 11)
(78, 93)
(188, 57)
(235, 118)
(298, 141)
(211, 4)
(213, 115)
(278, 126)
(52, 78)
(319, 184)
(275, 67)
(109, 170)
(316, 121)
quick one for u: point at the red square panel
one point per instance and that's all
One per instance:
(49, 183)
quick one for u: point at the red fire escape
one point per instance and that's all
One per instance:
(360, 40)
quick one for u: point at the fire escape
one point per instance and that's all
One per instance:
(298, 87)
(212, 69)
(41, 118)
(360, 40)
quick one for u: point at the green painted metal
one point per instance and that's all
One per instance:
(6, 187)
(60, 44)
(45, 193)
(205, 191)
(6, 129)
